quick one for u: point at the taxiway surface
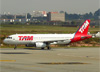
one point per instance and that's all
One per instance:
(54, 60)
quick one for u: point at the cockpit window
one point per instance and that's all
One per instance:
(9, 37)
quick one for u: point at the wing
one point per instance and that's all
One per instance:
(65, 41)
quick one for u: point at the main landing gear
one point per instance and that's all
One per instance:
(48, 48)
(42, 48)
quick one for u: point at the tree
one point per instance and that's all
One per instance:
(90, 15)
(97, 14)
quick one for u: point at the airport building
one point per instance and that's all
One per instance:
(39, 14)
(56, 16)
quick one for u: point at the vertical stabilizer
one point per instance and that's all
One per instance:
(83, 30)
(81, 33)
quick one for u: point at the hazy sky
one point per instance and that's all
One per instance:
(70, 6)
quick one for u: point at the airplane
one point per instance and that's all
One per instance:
(45, 40)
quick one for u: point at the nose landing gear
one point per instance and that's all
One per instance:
(15, 47)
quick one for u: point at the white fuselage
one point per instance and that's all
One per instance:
(52, 38)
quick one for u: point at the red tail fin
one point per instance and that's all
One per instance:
(81, 34)
(83, 30)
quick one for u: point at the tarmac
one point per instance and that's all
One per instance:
(54, 60)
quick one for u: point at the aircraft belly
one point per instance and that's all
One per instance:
(20, 42)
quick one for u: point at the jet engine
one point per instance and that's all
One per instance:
(39, 45)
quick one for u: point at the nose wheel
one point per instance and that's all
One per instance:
(15, 47)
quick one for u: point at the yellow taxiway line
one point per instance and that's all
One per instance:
(7, 60)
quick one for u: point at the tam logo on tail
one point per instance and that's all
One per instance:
(81, 34)
(84, 27)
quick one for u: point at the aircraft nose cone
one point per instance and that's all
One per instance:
(4, 41)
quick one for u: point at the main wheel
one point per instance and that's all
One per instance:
(42, 48)
(48, 48)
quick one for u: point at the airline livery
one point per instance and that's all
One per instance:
(45, 40)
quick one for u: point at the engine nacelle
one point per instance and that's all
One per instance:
(40, 45)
